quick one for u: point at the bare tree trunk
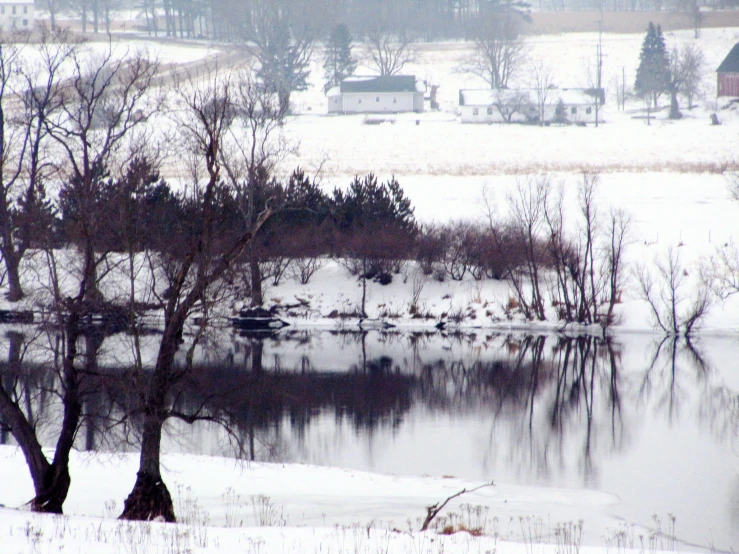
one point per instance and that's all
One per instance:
(255, 280)
(12, 266)
(51, 481)
(150, 498)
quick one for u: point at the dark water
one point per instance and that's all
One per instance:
(654, 422)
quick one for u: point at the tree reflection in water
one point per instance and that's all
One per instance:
(551, 401)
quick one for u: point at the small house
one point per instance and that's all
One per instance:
(384, 94)
(521, 105)
(16, 14)
(496, 105)
(728, 74)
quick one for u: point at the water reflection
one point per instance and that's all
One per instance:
(639, 417)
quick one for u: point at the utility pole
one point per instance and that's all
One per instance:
(599, 72)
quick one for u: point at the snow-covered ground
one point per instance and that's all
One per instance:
(228, 506)
(667, 176)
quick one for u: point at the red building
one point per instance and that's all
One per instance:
(728, 74)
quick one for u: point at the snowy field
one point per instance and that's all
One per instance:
(667, 176)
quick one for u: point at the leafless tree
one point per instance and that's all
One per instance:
(588, 264)
(687, 66)
(499, 52)
(284, 45)
(721, 271)
(29, 91)
(509, 103)
(149, 8)
(527, 205)
(204, 112)
(53, 7)
(541, 78)
(666, 297)
(388, 52)
(251, 148)
(103, 104)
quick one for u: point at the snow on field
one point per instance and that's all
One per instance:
(281, 508)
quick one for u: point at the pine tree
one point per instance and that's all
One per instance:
(338, 61)
(653, 74)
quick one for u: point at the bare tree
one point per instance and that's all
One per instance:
(149, 8)
(204, 112)
(508, 103)
(388, 52)
(666, 297)
(541, 80)
(721, 271)
(25, 211)
(687, 66)
(250, 150)
(527, 205)
(499, 52)
(104, 102)
(53, 7)
(284, 45)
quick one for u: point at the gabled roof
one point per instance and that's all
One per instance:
(390, 83)
(731, 62)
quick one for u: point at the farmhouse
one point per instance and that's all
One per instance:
(520, 105)
(728, 74)
(387, 94)
(16, 14)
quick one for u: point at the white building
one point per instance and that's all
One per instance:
(520, 105)
(16, 14)
(389, 94)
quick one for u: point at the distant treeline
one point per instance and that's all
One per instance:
(234, 20)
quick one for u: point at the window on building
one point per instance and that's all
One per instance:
(25, 23)
(395, 100)
(573, 110)
(2, 9)
(359, 100)
(474, 111)
(13, 10)
(588, 110)
(25, 10)
(490, 110)
(377, 98)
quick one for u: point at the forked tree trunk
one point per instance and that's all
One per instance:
(51, 481)
(150, 498)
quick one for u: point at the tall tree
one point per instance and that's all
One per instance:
(204, 114)
(283, 48)
(653, 73)
(338, 60)
(25, 211)
(686, 71)
(388, 52)
(499, 52)
(105, 102)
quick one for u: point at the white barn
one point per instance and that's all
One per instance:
(388, 94)
(520, 105)
(17, 14)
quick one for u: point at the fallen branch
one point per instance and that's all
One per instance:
(433, 510)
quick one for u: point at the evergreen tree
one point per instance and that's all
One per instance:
(653, 74)
(338, 61)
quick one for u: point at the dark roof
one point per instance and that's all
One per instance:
(731, 62)
(390, 83)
